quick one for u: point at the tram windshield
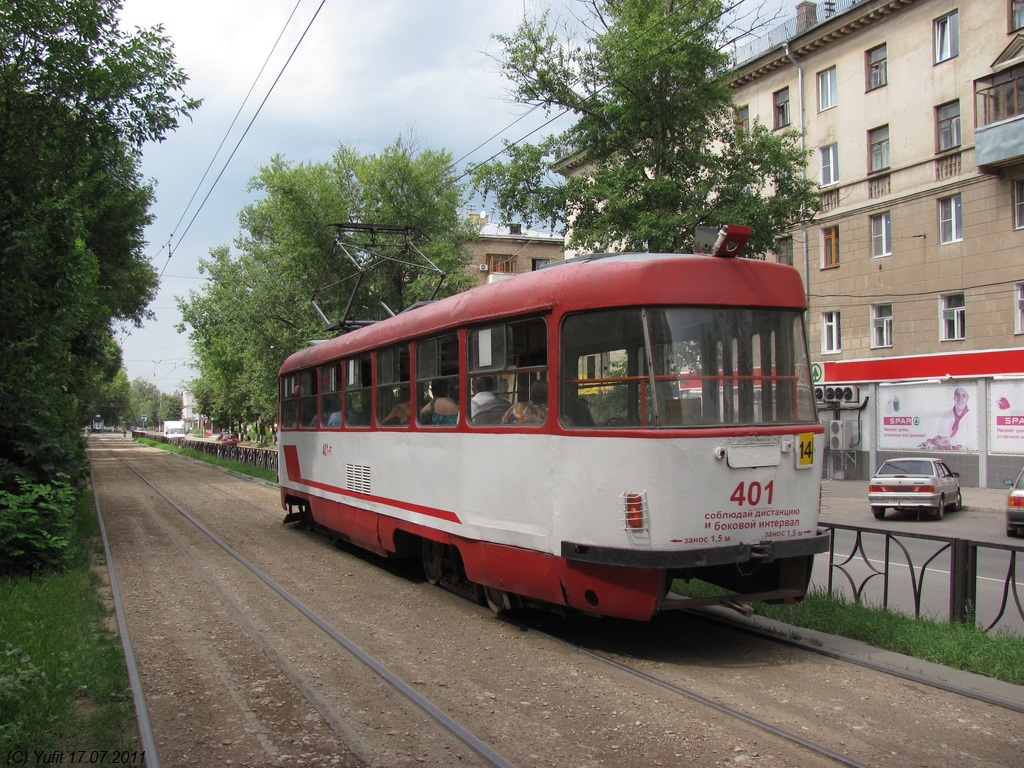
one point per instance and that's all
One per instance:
(679, 367)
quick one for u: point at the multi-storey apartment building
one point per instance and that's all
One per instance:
(913, 115)
(504, 250)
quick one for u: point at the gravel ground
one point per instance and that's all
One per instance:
(233, 675)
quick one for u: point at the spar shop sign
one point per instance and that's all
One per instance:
(928, 417)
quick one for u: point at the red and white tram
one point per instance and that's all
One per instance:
(579, 436)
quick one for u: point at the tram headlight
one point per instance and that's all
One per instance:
(636, 510)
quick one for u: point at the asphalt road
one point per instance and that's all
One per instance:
(845, 502)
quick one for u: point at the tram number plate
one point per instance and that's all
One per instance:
(805, 457)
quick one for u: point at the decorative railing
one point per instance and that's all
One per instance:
(947, 166)
(786, 31)
(879, 186)
(948, 564)
(252, 455)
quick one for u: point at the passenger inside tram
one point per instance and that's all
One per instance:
(486, 407)
(532, 411)
(442, 409)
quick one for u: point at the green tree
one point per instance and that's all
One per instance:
(256, 308)
(655, 150)
(145, 398)
(78, 98)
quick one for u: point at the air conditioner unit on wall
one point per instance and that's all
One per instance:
(483, 267)
(843, 435)
(836, 393)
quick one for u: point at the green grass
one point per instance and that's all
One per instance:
(964, 646)
(63, 683)
(235, 466)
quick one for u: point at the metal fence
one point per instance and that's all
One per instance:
(254, 456)
(898, 570)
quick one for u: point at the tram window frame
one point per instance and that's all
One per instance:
(357, 392)
(393, 386)
(330, 395)
(289, 402)
(437, 375)
(732, 366)
(309, 399)
(516, 355)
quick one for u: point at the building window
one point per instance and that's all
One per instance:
(947, 37)
(829, 164)
(784, 250)
(1000, 96)
(878, 140)
(954, 317)
(1018, 314)
(742, 120)
(828, 89)
(782, 108)
(501, 263)
(951, 226)
(947, 122)
(881, 326)
(1018, 204)
(829, 247)
(881, 235)
(536, 264)
(877, 67)
(1016, 15)
(831, 338)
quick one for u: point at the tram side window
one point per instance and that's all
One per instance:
(437, 381)
(508, 371)
(393, 387)
(358, 392)
(604, 370)
(289, 402)
(308, 416)
(330, 395)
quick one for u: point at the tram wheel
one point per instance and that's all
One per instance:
(431, 555)
(497, 600)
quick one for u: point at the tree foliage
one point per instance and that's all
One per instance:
(256, 307)
(655, 151)
(78, 97)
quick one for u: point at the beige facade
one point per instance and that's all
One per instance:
(506, 250)
(909, 266)
(913, 112)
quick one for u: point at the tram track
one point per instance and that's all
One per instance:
(359, 749)
(812, 753)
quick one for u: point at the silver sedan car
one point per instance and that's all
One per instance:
(914, 483)
(1015, 506)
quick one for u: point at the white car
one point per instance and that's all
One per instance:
(914, 483)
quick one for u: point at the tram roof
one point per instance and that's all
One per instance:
(587, 282)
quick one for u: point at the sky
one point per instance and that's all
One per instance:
(334, 73)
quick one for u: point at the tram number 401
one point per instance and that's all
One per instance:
(752, 494)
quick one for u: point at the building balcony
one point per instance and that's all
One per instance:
(999, 106)
(1000, 143)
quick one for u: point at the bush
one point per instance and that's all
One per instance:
(36, 526)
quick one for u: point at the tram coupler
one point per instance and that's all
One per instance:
(292, 516)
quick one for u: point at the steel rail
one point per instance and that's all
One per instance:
(445, 721)
(942, 685)
(723, 708)
(142, 719)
